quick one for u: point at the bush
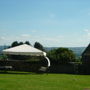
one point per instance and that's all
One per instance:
(61, 55)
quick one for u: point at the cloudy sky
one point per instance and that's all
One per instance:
(63, 23)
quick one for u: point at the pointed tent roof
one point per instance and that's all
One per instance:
(87, 50)
(24, 50)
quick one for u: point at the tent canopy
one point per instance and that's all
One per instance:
(24, 50)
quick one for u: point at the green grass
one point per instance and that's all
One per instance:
(29, 81)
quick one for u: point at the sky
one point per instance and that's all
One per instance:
(53, 23)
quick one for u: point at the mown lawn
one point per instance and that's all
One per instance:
(29, 81)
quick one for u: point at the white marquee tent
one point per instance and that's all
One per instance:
(25, 50)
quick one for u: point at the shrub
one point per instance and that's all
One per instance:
(61, 55)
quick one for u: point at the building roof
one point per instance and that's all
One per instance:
(87, 50)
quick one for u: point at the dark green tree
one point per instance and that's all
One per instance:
(39, 46)
(27, 42)
(20, 43)
(61, 55)
(15, 43)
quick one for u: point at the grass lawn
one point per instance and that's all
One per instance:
(29, 81)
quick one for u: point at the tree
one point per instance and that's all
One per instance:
(38, 46)
(27, 42)
(15, 43)
(61, 55)
(20, 43)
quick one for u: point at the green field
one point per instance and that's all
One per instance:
(29, 81)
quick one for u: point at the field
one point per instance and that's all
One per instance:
(30, 81)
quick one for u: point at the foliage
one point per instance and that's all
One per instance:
(15, 43)
(39, 46)
(61, 55)
(3, 57)
(78, 60)
(20, 43)
(27, 42)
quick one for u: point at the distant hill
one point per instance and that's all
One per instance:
(77, 50)
(2, 47)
